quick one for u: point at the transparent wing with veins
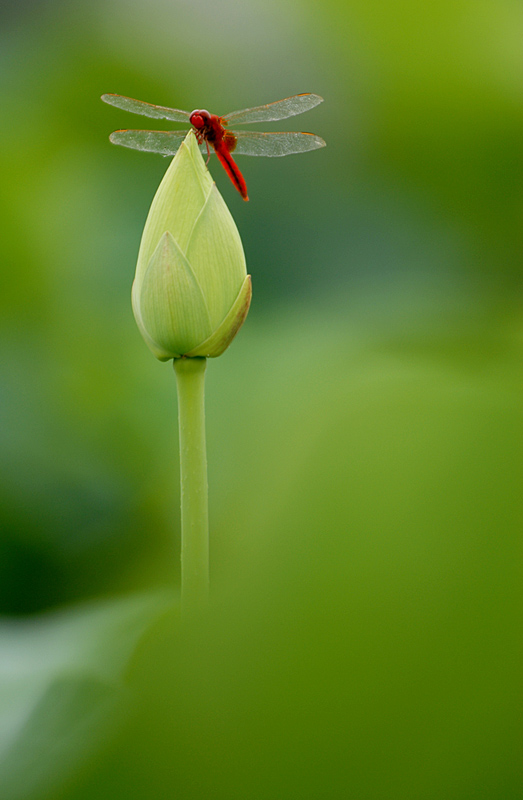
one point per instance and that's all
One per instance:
(248, 143)
(165, 143)
(146, 109)
(253, 143)
(281, 109)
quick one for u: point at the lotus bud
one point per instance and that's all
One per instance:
(191, 292)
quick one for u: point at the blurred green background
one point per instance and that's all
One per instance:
(364, 429)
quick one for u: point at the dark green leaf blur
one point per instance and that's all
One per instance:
(365, 428)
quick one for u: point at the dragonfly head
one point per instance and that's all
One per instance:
(199, 119)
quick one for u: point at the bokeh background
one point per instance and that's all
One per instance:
(364, 429)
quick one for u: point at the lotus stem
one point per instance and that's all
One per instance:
(190, 380)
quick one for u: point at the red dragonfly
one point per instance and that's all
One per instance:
(211, 129)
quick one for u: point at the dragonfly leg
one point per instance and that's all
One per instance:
(208, 152)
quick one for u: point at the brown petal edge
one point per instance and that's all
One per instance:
(220, 340)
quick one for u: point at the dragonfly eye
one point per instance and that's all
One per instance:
(199, 119)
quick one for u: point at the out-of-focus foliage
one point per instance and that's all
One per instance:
(364, 429)
(62, 693)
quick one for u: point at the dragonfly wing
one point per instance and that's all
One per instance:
(146, 109)
(282, 109)
(252, 143)
(166, 143)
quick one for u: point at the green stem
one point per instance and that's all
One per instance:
(190, 379)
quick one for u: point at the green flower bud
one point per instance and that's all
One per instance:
(191, 292)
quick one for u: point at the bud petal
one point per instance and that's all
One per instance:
(220, 340)
(172, 304)
(191, 292)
